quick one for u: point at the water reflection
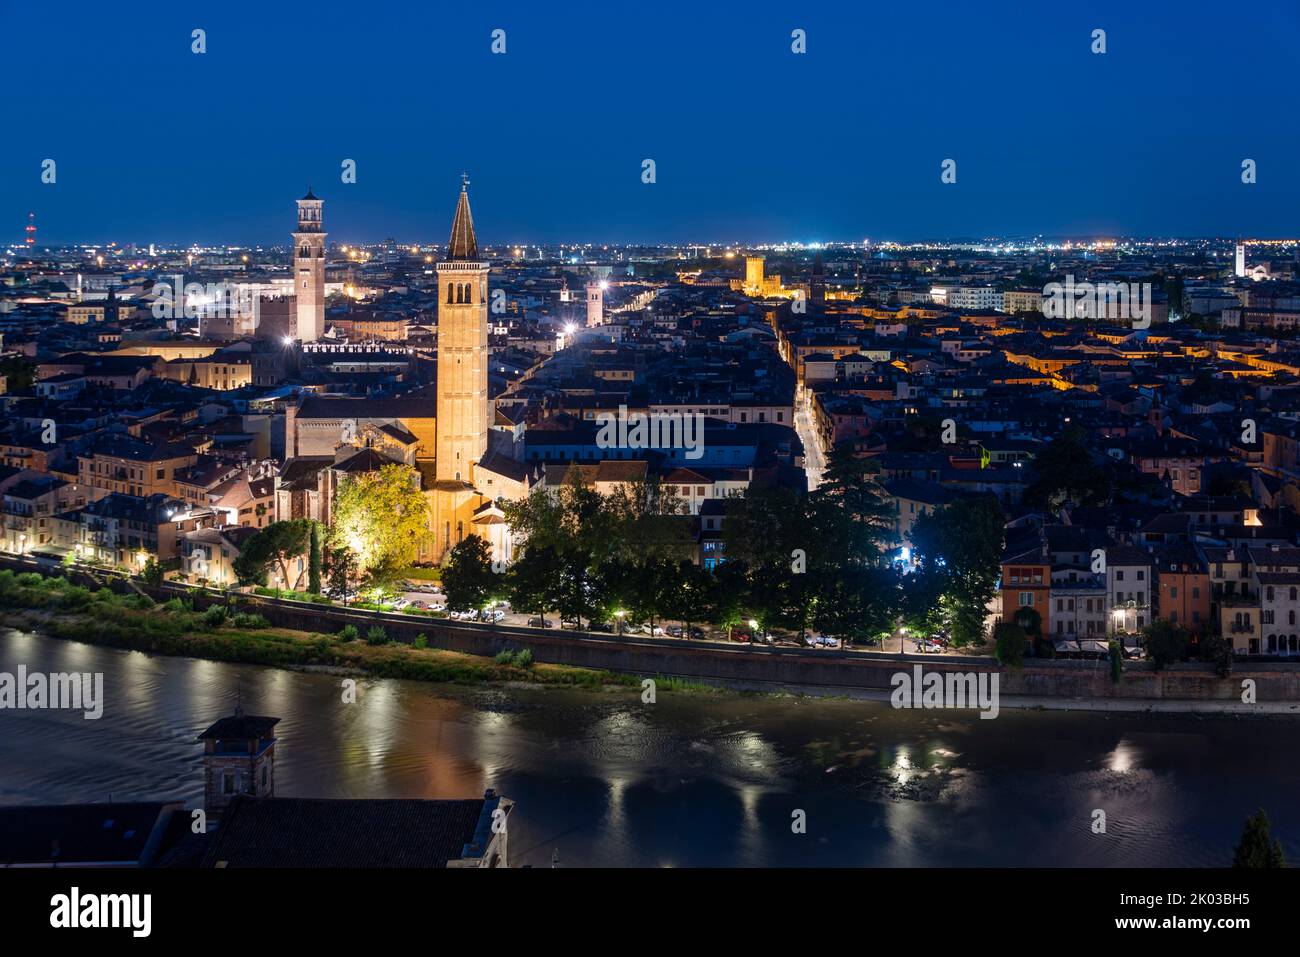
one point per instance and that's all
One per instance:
(692, 780)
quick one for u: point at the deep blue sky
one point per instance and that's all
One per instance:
(752, 142)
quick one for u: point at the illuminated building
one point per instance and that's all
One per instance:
(309, 270)
(595, 303)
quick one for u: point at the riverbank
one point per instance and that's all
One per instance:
(58, 609)
(401, 646)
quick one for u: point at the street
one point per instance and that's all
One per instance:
(814, 456)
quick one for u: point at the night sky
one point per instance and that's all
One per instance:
(752, 142)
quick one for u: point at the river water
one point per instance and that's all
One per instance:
(694, 779)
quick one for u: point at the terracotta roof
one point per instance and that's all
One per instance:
(462, 246)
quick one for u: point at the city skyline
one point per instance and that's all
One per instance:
(752, 142)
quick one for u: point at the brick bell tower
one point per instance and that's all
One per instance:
(462, 415)
(238, 758)
(309, 270)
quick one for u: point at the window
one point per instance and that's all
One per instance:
(228, 782)
(1119, 574)
(1141, 575)
(1026, 599)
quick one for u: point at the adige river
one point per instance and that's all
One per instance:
(693, 779)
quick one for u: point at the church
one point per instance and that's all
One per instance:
(468, 457)
(474, 464)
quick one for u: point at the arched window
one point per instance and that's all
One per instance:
(449, 294)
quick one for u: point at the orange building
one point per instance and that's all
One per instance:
(1027, 583)
(1183, 597)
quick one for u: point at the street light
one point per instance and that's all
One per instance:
(620, 614)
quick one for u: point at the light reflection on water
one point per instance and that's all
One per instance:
(692, 780)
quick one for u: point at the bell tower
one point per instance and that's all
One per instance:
(309, 270)
(462, 416)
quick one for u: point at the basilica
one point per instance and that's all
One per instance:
(468, 457)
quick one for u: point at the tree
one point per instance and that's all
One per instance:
(1258, 847)
(468, 578)
(277, 544)
(1215, 649)
(690, 595)
(342, 570)
(534, 580)
(960, 546)
(383, 517)
(314, 561)
(1011, 643)
(1165, 643)
(152, 573)
(865, 518)
(1068, 472)
(858, 604)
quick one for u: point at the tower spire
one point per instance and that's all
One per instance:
(463, 246)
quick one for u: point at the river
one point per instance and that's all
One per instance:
(694, 779)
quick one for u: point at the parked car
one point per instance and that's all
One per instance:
(602, 626)
(652, 630)
(680, 631)
(540, 623)
(821, 641)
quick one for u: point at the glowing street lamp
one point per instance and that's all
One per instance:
(620, 615)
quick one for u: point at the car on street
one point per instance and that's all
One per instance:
(540, 623)
(679, 631)
(821, 641)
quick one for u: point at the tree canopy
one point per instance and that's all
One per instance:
(383, 518)
(277, 544)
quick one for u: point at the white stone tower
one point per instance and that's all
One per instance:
(309, 270)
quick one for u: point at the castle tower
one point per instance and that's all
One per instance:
(753, 275)
(238, 758)
(309, 270)
(595, 303)
(462, 423)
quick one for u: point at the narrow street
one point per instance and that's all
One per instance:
(814, 456)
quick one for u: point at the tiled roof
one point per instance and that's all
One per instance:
(309, 832)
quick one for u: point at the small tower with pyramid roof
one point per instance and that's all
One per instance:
(238, 758)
